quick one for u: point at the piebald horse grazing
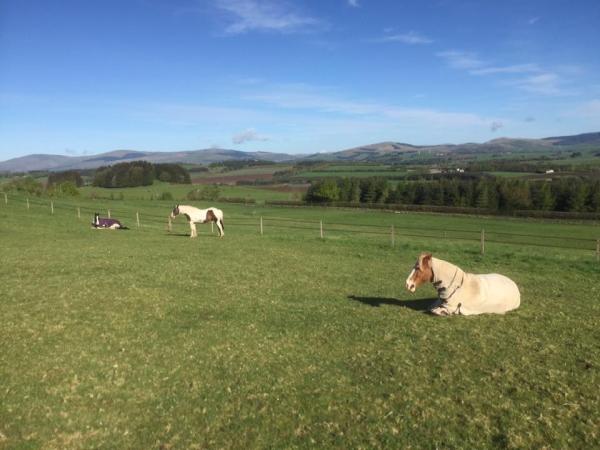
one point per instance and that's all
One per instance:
(464, 293)
(195, 215)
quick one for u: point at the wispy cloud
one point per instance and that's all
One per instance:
(546, 83)
(533, 20)
(458, 59)
(353, 3)
(412, 38)
(265, 15)
(247, 136)
(303, 97)
(590, 109)
(534, 79)
(514, 69)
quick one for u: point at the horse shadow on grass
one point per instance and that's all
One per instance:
(421, 305)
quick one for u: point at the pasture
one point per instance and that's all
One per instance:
(148, 339)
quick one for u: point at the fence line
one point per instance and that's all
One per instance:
(146, 218)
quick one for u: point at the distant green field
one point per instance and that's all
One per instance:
(257, 170)
(511, 174)
(149, 339)
(351, 173)
(180, 191)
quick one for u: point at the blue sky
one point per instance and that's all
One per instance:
(87, 76)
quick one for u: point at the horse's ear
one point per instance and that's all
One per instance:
(426, 259)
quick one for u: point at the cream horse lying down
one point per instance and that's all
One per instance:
(464, 293)
(195, 215)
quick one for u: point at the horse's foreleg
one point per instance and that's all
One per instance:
(193, 232)
(220, 228)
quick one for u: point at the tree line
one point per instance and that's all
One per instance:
(139, 173)
(573, 194)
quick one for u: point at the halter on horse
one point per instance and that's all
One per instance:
(103, 223)
(195, 215)
(461, 292)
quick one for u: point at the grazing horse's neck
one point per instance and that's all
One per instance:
(447, 277)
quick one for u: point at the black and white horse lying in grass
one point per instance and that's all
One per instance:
(195, 215)
(464, 293)
(111, 224)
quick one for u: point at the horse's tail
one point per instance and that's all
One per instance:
(123, 227)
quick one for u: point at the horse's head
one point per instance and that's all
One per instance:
(175, 212)
(96, 219)
(421, 272)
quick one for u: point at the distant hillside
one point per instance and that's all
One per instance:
(59, 162)
(381, 152)
(586, 139)
(389, 151)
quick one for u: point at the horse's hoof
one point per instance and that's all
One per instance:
(439, 311)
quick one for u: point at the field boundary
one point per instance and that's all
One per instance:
(147, 216)
(533, 214)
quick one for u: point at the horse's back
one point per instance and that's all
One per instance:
(495, 293)
(499, 293)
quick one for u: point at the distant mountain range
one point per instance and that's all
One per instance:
(388, 151)
(207, 156)
(381, 152)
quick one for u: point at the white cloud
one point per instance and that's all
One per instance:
(461, 60)
(412, 38)
(266, 15)
(353, 3)
(248, 135)
(533, 20)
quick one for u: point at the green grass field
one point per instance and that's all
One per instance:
(179, 192)
(148, 339)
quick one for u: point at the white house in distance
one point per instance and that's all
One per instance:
(550, 171)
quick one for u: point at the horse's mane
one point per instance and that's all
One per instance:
(443, 270)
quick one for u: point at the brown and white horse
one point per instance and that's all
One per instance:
(464, 293)
(195, 215)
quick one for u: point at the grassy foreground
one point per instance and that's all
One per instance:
(143, 339)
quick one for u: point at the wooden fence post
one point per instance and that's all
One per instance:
(51, 205)
(393, 237)
(108, 213)
(79, 213)
(321, 228)
(169, 224)
(261, 226)
(137, 218)
(27, 202)
(5, 199)
(482, 242)
(212, 227)
(597, 249)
